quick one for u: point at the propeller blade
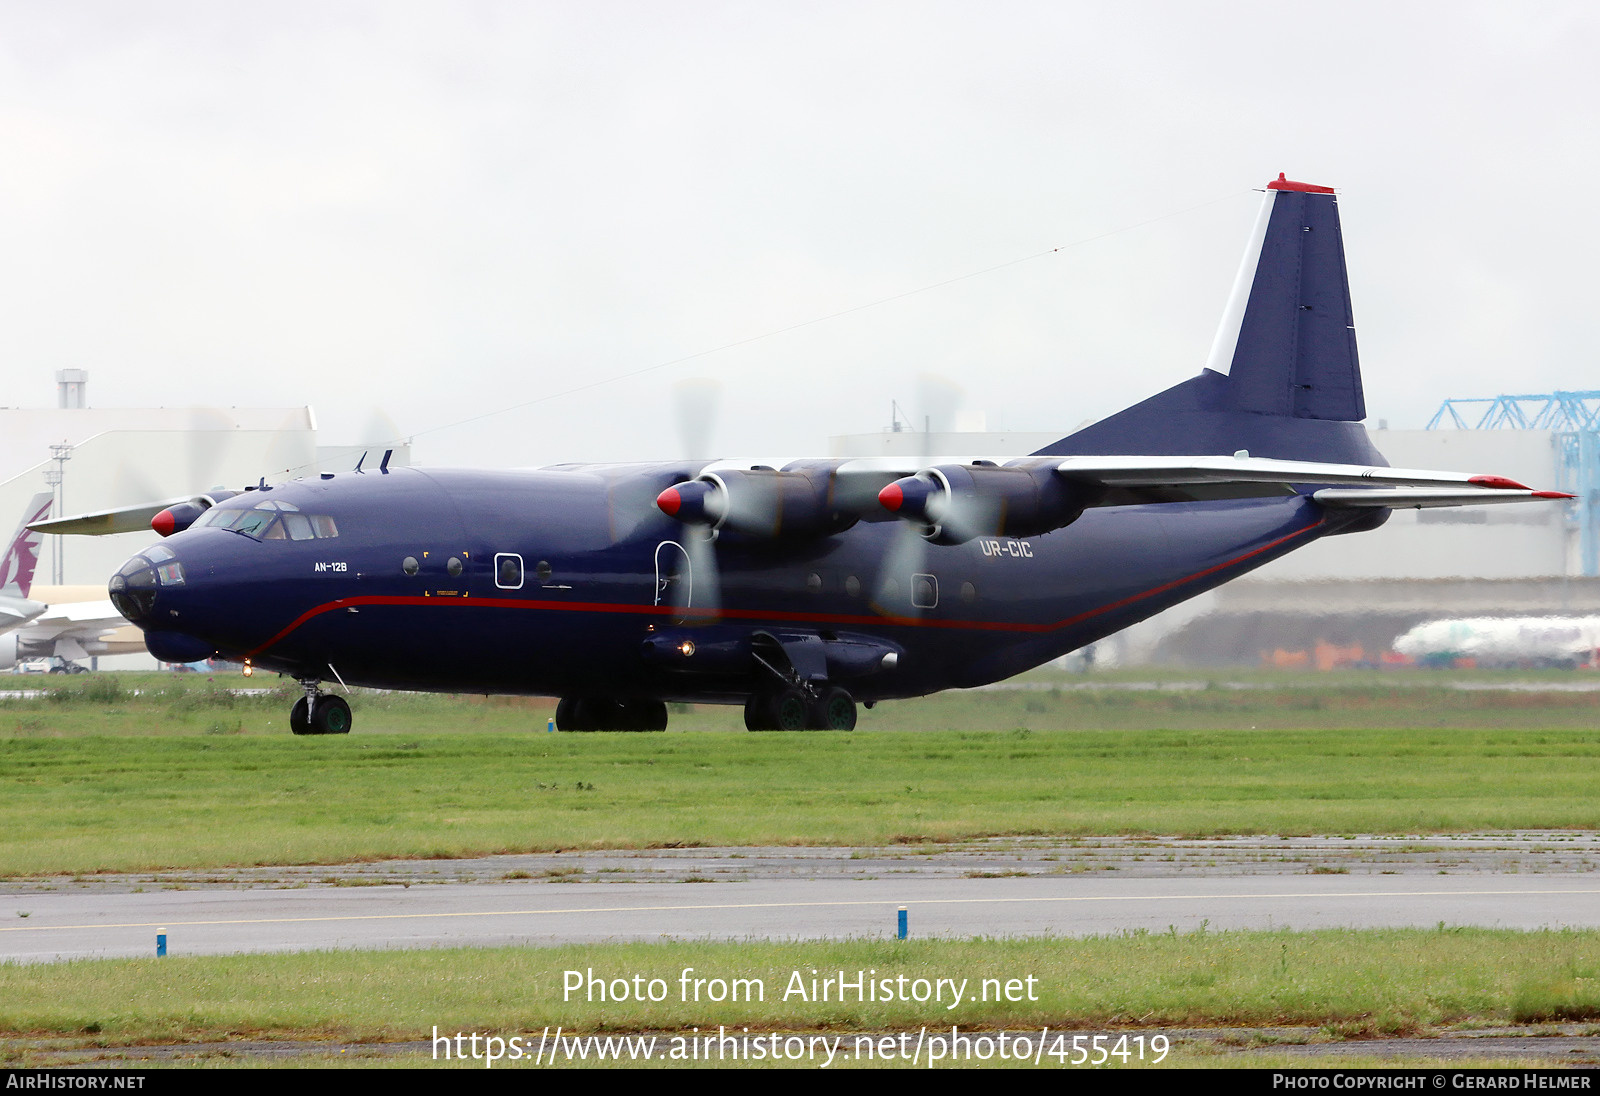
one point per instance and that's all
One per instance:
(695, 401)
(209, 436)
(904, 557)
(701, 596)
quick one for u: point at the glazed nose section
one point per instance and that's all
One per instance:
(137, 585)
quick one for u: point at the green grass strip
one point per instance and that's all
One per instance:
(1350, 982)
(97, 803)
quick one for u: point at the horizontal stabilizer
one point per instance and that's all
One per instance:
(15, 611)
(1147, 471)
(1419, 498)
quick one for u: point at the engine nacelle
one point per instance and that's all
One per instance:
(954, 503)
(8, 651)
(758, 502)
(177, 518)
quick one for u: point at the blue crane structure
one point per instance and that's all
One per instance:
(1574, 420)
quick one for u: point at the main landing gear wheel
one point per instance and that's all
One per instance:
(330, 716)
(320, 713)
(589, 713)
(785, 710)
(834, 710)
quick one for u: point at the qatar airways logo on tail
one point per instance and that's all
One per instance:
(16, 570)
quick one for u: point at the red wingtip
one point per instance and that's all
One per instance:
(1499, 482)
(891, 497)
(669, 501)
(1553, 495)
(1280, 183)
(164, 523)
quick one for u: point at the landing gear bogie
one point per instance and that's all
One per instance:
(795, 709)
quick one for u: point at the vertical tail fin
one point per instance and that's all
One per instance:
(22, 554)
(1283, 379)
(1288, 339)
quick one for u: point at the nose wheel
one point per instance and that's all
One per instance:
(319, 713)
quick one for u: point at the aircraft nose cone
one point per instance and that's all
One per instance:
(137, 585)
(134, 595)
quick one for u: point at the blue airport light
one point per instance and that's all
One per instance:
(902, 923)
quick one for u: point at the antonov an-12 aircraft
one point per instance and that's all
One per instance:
(799, 589)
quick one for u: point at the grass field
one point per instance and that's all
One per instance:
(192, 704)
(1340, 984)
(98, 778)
(144, 772)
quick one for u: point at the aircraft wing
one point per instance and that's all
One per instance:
(1133, 480)
(77, 629)
(126, 519)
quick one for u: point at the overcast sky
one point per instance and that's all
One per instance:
(445, 209)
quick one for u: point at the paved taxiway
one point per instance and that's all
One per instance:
(1000, 888)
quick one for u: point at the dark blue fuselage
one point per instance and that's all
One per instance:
(582, 610)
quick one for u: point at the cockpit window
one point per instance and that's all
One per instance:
(253, 523)
(298, 526)
(272, 520)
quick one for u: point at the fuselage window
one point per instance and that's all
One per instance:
(508, 571)
(454, 567)
(409, 565)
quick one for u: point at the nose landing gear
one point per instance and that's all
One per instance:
(318, 712)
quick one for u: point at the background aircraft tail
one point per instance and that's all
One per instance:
(1283, 379)
(22, 554)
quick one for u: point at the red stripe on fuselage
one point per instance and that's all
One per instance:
(765, 614)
